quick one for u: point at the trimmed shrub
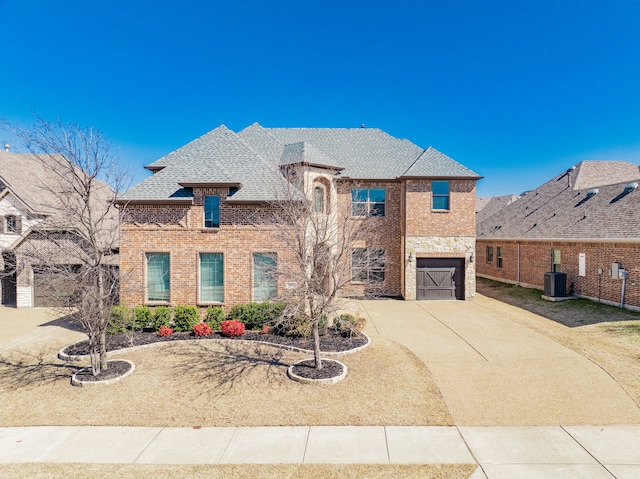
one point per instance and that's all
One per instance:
(254, 315)
(202, 329)
(121, 320)
(232, 327)
(185, 317)
(296, 326)
(165, 331)
(266, 329)
(161, 317)
(348, 324)
(142, 315)
(215, 317)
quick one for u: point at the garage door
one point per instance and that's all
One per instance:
(52, 289)
(440, 278)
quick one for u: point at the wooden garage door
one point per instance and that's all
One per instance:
(440, 278)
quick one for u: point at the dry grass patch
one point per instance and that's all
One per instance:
(213, 383)
(303, 471)
(608, 336)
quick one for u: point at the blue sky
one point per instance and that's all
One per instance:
(517, 91)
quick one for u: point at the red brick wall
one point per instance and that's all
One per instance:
(535, 260)
(387, 235)
(459, 220)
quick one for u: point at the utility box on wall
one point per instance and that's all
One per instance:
(555, 285)
(617, 271)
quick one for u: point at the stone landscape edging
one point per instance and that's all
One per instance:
(304, 380)
(105, 382)
(71, 357)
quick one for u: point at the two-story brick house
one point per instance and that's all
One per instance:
(191, 233)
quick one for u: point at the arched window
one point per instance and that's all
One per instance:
(318, 199)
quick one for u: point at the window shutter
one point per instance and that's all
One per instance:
(19, 225)
(2, 230)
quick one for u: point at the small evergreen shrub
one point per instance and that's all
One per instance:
(202, 330)
(254, 315)
(232, 327)
(121, 320)
(215, 317)
(165, 331)
(161, 317)
(185, 317)
(142, 315)
(348, 324)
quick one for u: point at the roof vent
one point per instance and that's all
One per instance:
(630, 187)
(569, 170)
(592, 192)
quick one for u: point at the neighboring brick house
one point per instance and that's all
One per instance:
(35, 232)
(580, 223)
(191, 234)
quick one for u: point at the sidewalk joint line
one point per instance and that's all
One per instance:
(148, 443)
(235, 429)
(588, 452)
(306, 445)
(386, 442)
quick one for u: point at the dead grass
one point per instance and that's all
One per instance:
(608, 336)
(303, 471)
(221, 384)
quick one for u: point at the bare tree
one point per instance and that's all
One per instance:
(330, 248)
(75, 238)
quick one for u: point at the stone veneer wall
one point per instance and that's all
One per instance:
(440, 247)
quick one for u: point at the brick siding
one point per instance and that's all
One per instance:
(535, 260)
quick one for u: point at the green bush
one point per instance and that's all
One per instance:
(348, 324)
(161, 317)
(255, 315)
(185, 317)
(215, 317)
(295, 326)
(121, 320)
(142, 317)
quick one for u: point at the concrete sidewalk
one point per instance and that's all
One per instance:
(502, 452)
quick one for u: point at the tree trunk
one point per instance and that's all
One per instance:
(316, 345)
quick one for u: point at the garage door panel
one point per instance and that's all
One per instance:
(440, 278)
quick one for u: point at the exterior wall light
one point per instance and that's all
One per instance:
(410, 258)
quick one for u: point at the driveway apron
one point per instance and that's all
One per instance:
(493, 371)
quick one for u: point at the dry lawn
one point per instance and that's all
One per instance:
(608, 336)
(213, 383)
(304, 471)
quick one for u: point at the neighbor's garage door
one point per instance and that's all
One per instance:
(440, 278)
(52, 289)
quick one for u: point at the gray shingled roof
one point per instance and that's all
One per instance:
(487, 206)
(253, 158)
(563, 209)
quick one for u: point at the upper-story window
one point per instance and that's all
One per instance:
(440, 194)
(211, 211)
(318, 199)
(13, 224)
(368, 201)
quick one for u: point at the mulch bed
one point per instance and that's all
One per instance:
(330, 342)
(115, 369)
(307, 369)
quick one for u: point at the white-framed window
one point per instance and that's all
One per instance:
(158, 277)
(318, 200)
(499, 254)
(265, 279)
(211, 278)
(489, 254)
(368, 201)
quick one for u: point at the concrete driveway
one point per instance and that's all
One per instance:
(492, 371)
